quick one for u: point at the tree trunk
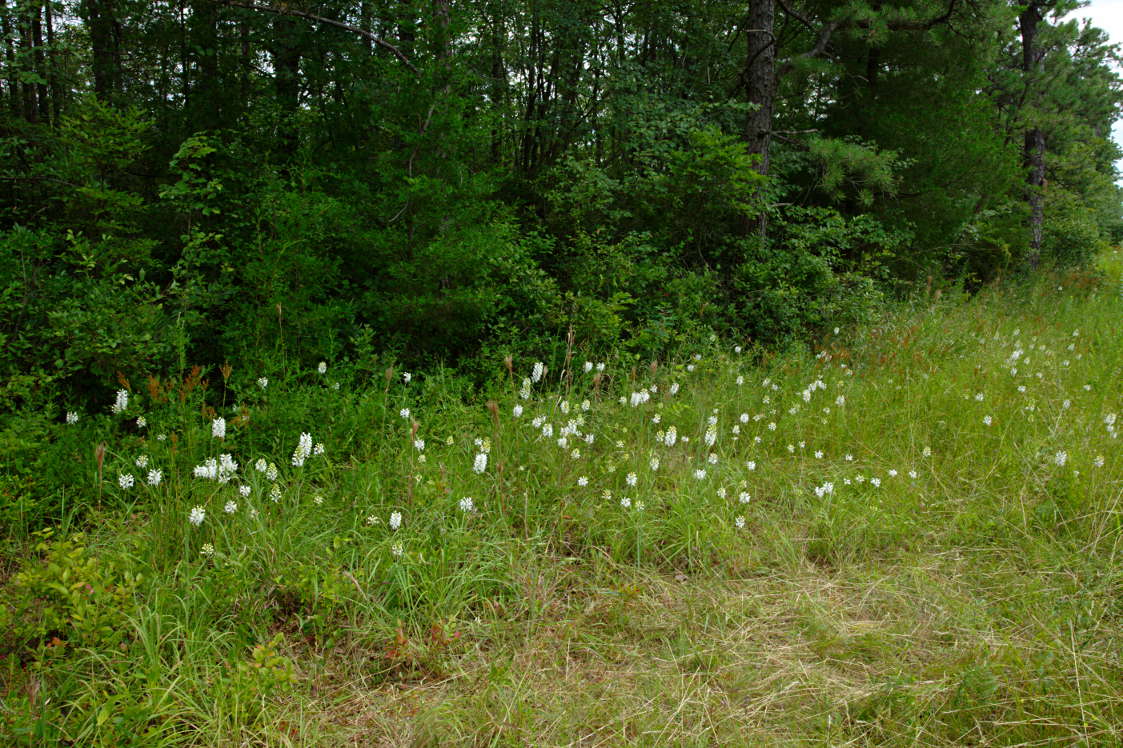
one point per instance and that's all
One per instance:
(101, 23)
(30, 101)
(760, 85)
(42, 102)
(207, 96)
(12, 80)
(52, 66)
(1033, 151)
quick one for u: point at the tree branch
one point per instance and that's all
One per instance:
(327, 22)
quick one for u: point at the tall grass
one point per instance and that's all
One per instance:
(908, 534)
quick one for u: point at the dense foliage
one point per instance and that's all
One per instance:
(205, 181)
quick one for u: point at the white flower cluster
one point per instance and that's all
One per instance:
(122, 402)
(639, 398)
(303, 450)
(222, 469)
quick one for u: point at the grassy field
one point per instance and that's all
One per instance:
(909, 535)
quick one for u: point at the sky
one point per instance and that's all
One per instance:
(1107, 15)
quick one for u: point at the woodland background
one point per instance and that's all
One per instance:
(449, 182)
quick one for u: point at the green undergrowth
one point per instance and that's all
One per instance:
(907, 535)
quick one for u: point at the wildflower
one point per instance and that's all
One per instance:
(671, 436)
(626, 502)
(154, 477)
(419, 445)
(537, 371)
(690, 367)
(122, 402)
(207, 550)
(396, 549)
(318, 449)
(524, 390)
(226, 468)
(198, 514)
(208, 470)
(318, 500)
(740, 380)
(600, 366)
(142, 461)
(912, 474)
(631, 479)
(699, 474)
(262, 382)
(772, 426)
(653, 463)
(244, 490)
(892, 473)
(218, 428)
(588, 366)
(744, 497)
(275, 493)
(271, 472)
(736, 349)
(548, 430)
(1066, 404)
(589, 438)
(926, 452)
(71, 417)
(303, 450)
(674, 388)
(875, 482)
(231, 507)
(740, 522)
(395, 520)
(323, 367)
(582, 481)
(586, 405)
(712, 458)
(517, 411)
(710, 436)
(404, 413)
(979, 397)
(406, 377)
(987, 420)
(1099, 461)
(141, 422)
(1109, 420)
(848, 457)
(1021, 388)
(640, 506)
(818, 454)
(657, 419)
(126, 481)
(1060, 458)
(751, 465)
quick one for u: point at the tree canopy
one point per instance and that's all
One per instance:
(205, 180)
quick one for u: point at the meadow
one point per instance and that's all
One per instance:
(908, 533)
